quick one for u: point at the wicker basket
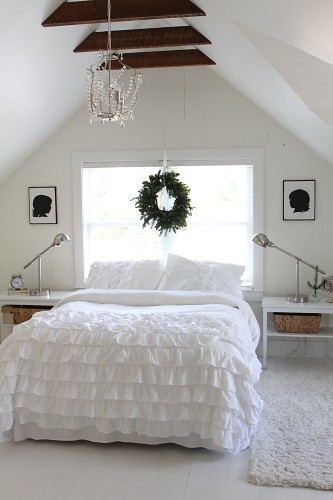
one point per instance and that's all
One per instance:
(297, 323)
(19, 314)
(7, 315)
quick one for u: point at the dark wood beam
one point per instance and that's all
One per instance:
(95, 11)
(164, 59)
(143, 39)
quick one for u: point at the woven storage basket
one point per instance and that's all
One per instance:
(22, 313)
(296, 323)
(7, 315)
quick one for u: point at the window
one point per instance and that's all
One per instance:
(223, 187)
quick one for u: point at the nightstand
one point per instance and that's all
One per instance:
(272, 305)
(27, 300)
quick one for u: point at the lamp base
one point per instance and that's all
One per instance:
(297, 298)
(43, 292)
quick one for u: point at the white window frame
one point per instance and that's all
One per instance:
(155, 157)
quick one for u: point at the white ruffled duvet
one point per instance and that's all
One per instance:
(136, 366)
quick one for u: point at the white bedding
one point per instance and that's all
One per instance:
(138, 366)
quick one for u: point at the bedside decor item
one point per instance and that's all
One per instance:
(16, 283)
(316, 286)
(57, 242)
(112, 99)
(42, 205)
(7, 315)
(22, 291)
(17, 314)
(262, 240)
(299, 200)
(162, 219)
(297, 322)
(329, 288)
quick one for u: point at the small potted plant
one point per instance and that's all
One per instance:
(316, 285)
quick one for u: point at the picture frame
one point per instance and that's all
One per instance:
(299, 199)
(43, 205)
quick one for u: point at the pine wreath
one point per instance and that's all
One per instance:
(164, 220)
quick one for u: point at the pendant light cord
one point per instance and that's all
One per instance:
(109, 26)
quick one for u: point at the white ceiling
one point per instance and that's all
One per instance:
(278, 53)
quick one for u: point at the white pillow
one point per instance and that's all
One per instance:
(185, 274)
(125, 274)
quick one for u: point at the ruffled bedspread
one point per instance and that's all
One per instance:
(138, 366)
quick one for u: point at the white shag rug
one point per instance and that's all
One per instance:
(293, 443)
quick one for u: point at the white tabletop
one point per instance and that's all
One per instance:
(281, 304)
(51, 299)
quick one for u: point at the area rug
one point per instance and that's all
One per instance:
(293, 444)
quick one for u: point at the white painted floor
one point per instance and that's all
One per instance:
(80, 471)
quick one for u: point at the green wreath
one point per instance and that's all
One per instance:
(164, 220)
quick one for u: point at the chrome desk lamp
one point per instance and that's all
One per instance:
(262, 240)
(57, 242)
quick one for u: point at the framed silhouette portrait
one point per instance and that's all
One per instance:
(42, 205)
(299, 200)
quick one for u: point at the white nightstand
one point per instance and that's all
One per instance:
(27, 300)
(280, 305)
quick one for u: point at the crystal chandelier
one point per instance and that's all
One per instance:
(112, 99)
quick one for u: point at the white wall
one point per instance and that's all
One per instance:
(189, 108)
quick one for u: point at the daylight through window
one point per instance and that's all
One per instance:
(220, 227)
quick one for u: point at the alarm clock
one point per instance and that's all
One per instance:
(17, 281)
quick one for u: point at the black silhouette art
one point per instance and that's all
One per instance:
(299, 200)
(42, 205)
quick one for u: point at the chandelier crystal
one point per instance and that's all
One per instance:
(112, 99)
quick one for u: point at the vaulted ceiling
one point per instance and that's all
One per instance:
(277, 53)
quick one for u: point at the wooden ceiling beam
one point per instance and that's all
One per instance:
(143, 39)
(164, 59)
(95, 11)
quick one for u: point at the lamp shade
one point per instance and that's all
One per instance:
(262, 240)
(59, 239)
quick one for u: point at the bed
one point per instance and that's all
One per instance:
(154, 364)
